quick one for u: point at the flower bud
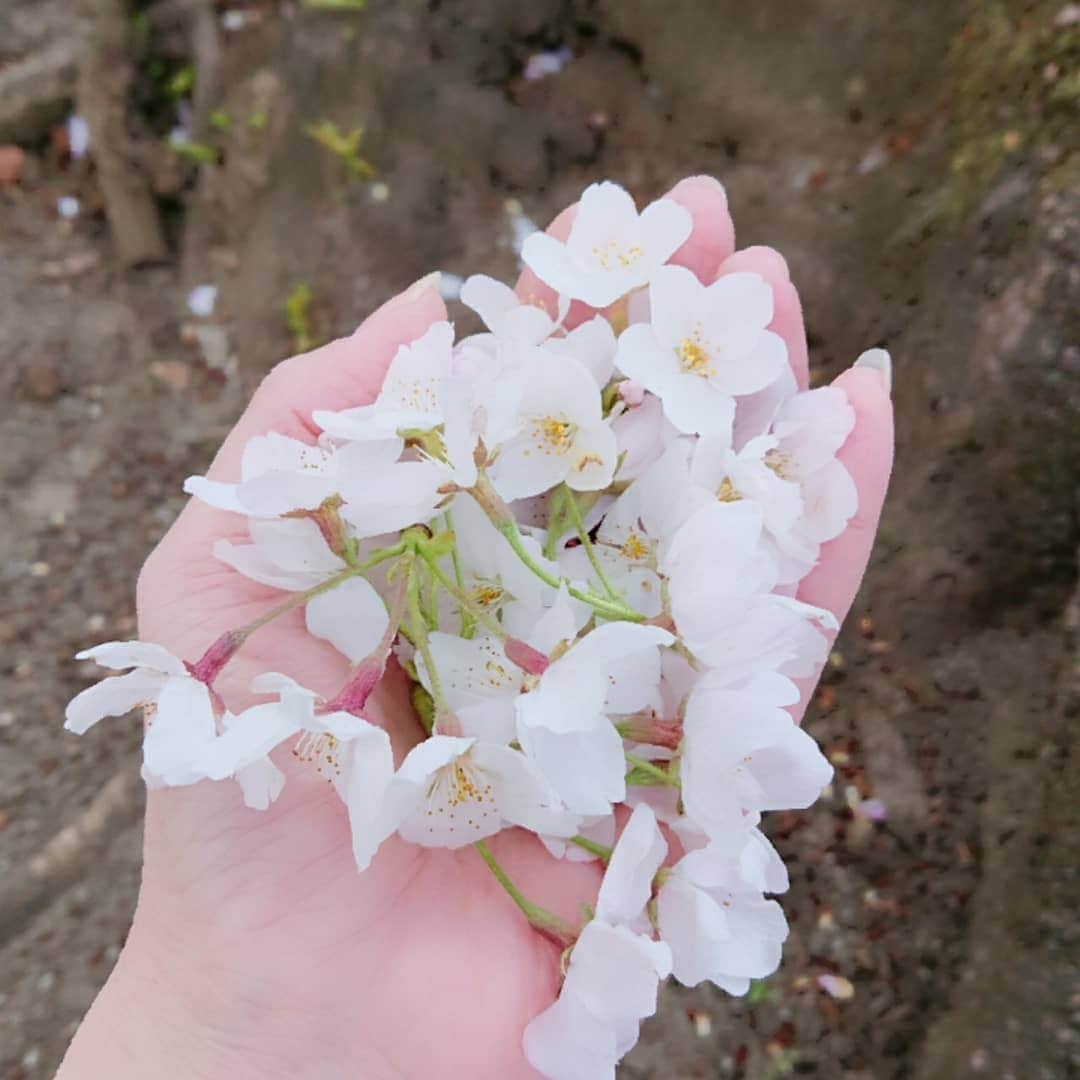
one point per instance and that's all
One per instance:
(207, 668)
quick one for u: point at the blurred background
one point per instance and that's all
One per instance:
(258, 176)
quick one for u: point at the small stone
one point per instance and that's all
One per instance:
(23, 670)
(379, 191)
(78, 135)
(201, 300)
(96, 623)
(702, 1022)
(7, 718)
(837, 987)
(31, 1058)
(12, 159)
(41, 382)
(40, 569)
(174, 373)
(46, 981)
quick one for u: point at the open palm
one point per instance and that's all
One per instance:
(422, 966)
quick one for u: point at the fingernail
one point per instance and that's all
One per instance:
(421, 286)
(705, 180)
(878, 360)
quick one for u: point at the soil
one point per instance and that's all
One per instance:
(914, 164)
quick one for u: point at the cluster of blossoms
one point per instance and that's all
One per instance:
(582, 540)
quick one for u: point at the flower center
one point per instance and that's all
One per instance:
(694, 356)
(781, 463)
(320, 749)
(727, 491)
(419, 394)
(634, 548)
(612, 256)
(553, 435)
(457, 783)
(487, 594)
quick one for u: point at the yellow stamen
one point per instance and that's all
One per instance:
(634, 548)
(727, 491)
(554, 436)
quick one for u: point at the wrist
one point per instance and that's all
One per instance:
(145, 1022)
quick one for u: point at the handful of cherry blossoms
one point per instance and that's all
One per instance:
(580, 533)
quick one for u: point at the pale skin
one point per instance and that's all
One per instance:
(257, 951)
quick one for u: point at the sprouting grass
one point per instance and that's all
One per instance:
(759, 992)
(336, 5)
(199, 153)
(298, 317)
(345, 147)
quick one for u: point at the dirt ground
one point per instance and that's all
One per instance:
(914, 164)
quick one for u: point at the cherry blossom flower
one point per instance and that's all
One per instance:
(705, 346)
(614, 971)
(629, 537)
(180, 721)
(563, 436)
(409, 398)
(348, 750)
(743, 752)
(564, 724)
(720, 581)
(611, 249)
(452, 791)
(506, 315)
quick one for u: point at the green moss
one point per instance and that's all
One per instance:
(345, 147)
(199, 153)
(1013, 92)
(298, 317)
(336, 5)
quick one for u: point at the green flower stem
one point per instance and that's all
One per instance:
(662, 776)
(419, 635)
(459, 576)
(574, 513)
(548, 923)
(556, 521)
(474, 610)
(601, 851)
(299, 599)
(610, 609)
(431, 611)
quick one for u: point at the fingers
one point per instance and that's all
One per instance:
(867, 455)
(712, 239)
(787, 310)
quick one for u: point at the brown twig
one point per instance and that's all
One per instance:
(105, 74)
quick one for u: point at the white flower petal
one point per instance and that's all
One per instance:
(113, 696)
(369, 770)
(214, 493)
(566, 1042)
(261, 783)
(134, 654)
(351, 616)
(627, 883)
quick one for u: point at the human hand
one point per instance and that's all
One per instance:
(256, 947)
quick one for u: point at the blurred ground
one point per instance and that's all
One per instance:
(913, 163)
